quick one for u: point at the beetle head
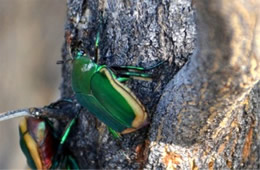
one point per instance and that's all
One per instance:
(80, 53)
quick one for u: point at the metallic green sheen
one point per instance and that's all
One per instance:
(94, 91)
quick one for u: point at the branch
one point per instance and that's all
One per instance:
(61, 110)
(220, 74)
(16, 113)
(202, 104)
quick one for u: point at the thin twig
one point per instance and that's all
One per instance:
(16, 113)
(57, 110)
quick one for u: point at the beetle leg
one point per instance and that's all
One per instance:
(120, 68)
(115, 134)
(72, 163)
(134, 75)
(124, 73)
(122, 79)
(98, 38)
(62, 141)
(135, 68)
(124, 76)
(67, 130)
(96, 48)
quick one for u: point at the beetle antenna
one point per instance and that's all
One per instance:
(64, 62)
(15, 113)
(69, 52)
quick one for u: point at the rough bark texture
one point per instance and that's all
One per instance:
(203, 111)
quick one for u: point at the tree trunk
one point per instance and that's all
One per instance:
(203, 103)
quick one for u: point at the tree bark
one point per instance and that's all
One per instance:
(203, 103)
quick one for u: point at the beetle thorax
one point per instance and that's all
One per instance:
(83, 70)
(85, 64)
(87, 67)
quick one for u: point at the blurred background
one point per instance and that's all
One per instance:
(31, 37)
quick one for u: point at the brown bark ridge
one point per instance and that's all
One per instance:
(203, 103)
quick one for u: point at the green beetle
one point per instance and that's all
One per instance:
(99, 89)
(41, 147)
